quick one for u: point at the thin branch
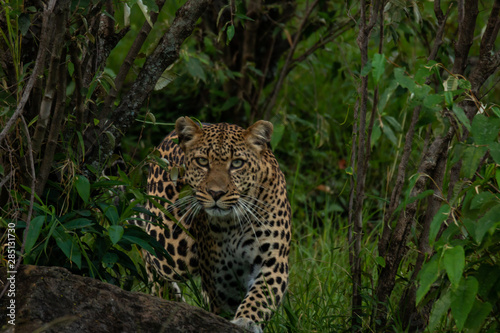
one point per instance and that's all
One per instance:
(438, 41)
(401, 175)
(39, 64)
(165, 53)
(254, 9)
(467, 12)
(332, 35)
(129, 61)
(32, 199)
(262, 80)
(77, 77)
(363, 153)
(279, 83)
(488, 62)
(55, 128)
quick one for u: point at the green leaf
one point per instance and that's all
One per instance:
(165, 79)
(109, 259)
(195, 69)
(279, 130)
(471, 158)
(427, 276)
(244, 17)
(489, 220)
(108, 183)
(459, 112)
(69, 246)
(380, 261)
(464, 84)
(366, 69)
(497, 176)
(462, 300)
(378, 65)
(141, 242)
(481, 199)
(78, 223)
(496, 111)
(478, 314)
(495, 151)
(432, 100)
(24, 23)
(115, 233)
(404, 80)
(230, 33)
(145, 11)
(229, 103)
(36, 225)
(439, 309)
(485, 129)
(448, 98)
(83, 187)
(394, 123)
(437, 221)
(152, 6)
(454, 263)
(489, 277)
(388, 132)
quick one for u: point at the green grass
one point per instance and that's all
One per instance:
(318, 295)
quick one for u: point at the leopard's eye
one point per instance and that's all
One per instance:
(202, 161)
(236, 164)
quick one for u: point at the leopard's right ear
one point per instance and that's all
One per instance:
(187, 131)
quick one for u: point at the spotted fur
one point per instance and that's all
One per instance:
(227, 218)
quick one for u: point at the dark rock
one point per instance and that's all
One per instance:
(51, 299)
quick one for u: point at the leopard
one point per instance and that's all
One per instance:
(225, 216)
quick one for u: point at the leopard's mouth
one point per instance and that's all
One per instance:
(216, 211)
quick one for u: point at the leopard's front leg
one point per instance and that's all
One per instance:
(264, 295)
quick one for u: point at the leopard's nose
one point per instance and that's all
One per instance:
(216, 194)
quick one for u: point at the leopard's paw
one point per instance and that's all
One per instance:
(247, 324)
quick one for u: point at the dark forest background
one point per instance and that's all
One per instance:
(385, 124)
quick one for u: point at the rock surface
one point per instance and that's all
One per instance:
(51, 299)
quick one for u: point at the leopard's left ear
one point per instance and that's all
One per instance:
(187, 131)
(259, 134)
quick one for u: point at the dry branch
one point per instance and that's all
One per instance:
(166, 52)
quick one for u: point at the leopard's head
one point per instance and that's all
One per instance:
(224, 164)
